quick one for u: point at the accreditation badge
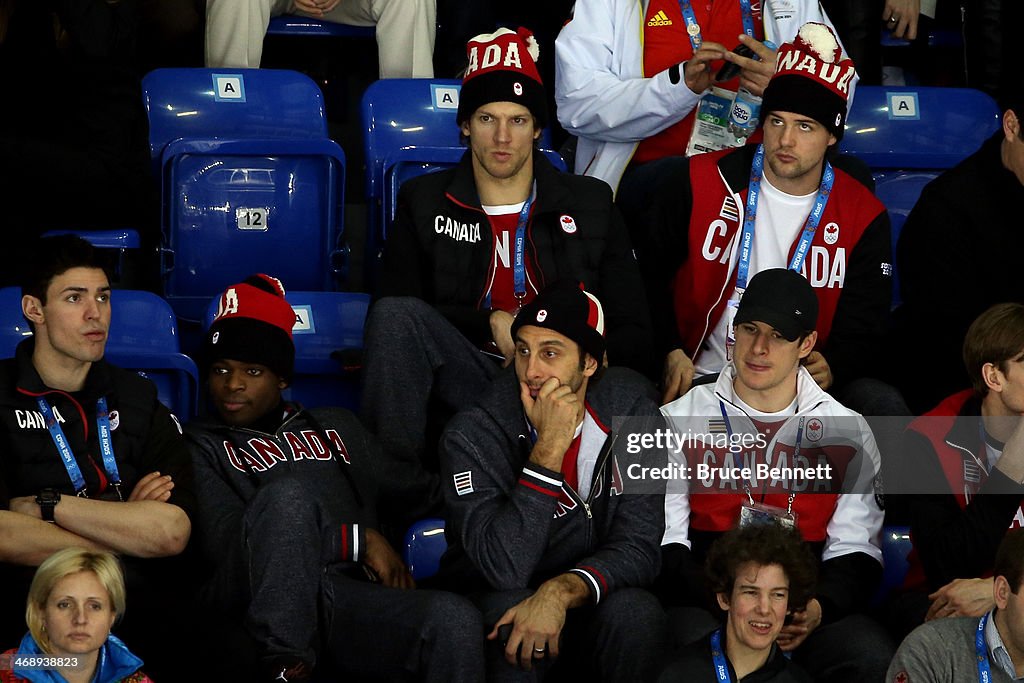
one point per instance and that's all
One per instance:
(711, 123)
(710, 131)
(753, 514)
(731, 307)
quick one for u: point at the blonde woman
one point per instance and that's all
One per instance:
(76, 597)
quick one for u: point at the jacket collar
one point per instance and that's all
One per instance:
(552, 190)
(965, 434)
(735, 168)
(992, 153)
(808, 394)
(289, 412)
(97, 382)
(115, 662)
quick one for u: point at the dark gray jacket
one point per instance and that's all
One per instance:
(511, 531)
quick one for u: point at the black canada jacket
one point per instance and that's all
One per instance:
(441, 249)
(146, 437)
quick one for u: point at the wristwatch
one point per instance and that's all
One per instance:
(47, 501)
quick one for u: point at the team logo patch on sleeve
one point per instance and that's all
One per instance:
(463, 482)
(729, 210)
(717, 426)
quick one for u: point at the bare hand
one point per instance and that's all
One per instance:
(537, 623)
(754, 73)
(315, 8)
(385, 562)
(501, 333)
(554, 414)
(25, 505)
(803, 623)
(697, 70)
(816, 364)
(961, 598)
(153, 486)
(905, 13)
(677, 376)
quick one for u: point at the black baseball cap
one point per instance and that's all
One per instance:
(781, 298)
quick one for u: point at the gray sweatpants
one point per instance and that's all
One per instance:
(294, 604)
(413, 357)
(622, 639)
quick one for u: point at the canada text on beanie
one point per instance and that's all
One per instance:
(253, 325)
(812, 78)
(502, 68)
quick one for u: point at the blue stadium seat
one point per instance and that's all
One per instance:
(892, 127)
(328, 328)
(119, 240)
(899, 191)
(424, 545)
(409, 129)
(296, 25)
(13, 326)
(143, 336)
(250, 181)
(896, 546)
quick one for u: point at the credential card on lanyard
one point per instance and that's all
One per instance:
(731, 307)
(752, 514)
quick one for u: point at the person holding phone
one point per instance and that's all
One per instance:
(631, 75)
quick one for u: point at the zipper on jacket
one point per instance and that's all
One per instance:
(602, 462)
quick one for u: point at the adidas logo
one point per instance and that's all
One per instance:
(660, 19)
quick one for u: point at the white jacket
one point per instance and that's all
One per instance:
(603, 98)
(856, 521)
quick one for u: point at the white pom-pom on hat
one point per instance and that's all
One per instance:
(532, 46)
(819, 40)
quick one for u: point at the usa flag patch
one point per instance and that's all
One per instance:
(463, 483)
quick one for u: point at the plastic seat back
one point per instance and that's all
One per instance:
(906, 128)
(424, 545)
(328, 335)
(896, 546)
(250, 181)
(13, 326)
(899, 191)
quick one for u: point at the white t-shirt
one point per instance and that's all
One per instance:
(780, 220)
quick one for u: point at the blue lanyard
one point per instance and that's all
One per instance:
(718, 657)
(519, 254)
(519, 260)
(693, 28)
(68, 458)
(796, 450)
(810, 225)
(984, 673)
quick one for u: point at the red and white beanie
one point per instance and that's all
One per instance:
(812, 78)
(253, 325)
(565, 307)
(503, 68)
